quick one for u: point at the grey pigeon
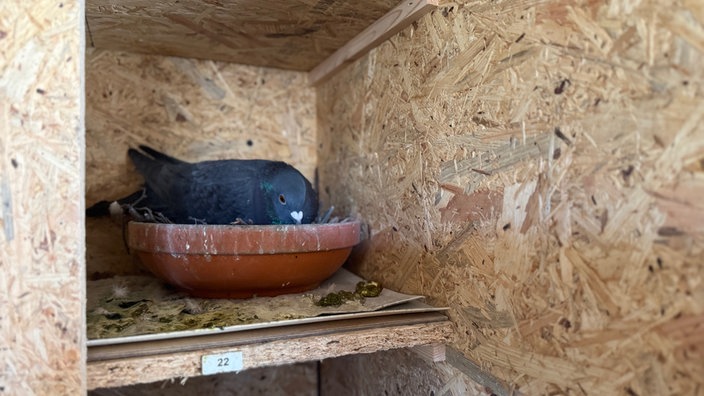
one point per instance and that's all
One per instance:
(218, 192)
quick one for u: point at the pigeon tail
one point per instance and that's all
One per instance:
(99, 209)
(159, 156)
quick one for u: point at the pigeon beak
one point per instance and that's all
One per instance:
(297, 216)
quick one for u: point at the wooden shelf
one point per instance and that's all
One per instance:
(142, 362)
(279, 33)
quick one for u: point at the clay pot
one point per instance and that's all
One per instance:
(240, 261)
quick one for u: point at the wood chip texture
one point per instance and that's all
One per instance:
(286, 34)
(42, 278)
(538, 167)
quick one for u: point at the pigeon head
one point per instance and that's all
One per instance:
(291, 197)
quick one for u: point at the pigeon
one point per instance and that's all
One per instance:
(217, 192)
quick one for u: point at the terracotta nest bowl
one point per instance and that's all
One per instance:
(241, 261)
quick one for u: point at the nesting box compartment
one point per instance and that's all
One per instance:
(535, 167)
(199, 109)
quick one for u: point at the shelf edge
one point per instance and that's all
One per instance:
(143, 369)
(391, 23)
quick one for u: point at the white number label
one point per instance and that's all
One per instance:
(221, 363)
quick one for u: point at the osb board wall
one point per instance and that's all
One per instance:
(286, 34)
(537, 167)
(194, 110)
(404, 373)
(41, 186)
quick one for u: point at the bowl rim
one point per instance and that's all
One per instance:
(244, 226)
(225, 239)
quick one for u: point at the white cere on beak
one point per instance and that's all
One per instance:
(298, 216)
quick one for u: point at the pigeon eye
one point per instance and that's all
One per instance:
(282, 199)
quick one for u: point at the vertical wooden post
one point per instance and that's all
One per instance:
(42, 281)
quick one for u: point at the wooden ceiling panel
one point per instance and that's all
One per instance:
(287, 34)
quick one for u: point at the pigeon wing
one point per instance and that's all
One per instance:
(222, 192)
(166, 179)
(212, 192)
